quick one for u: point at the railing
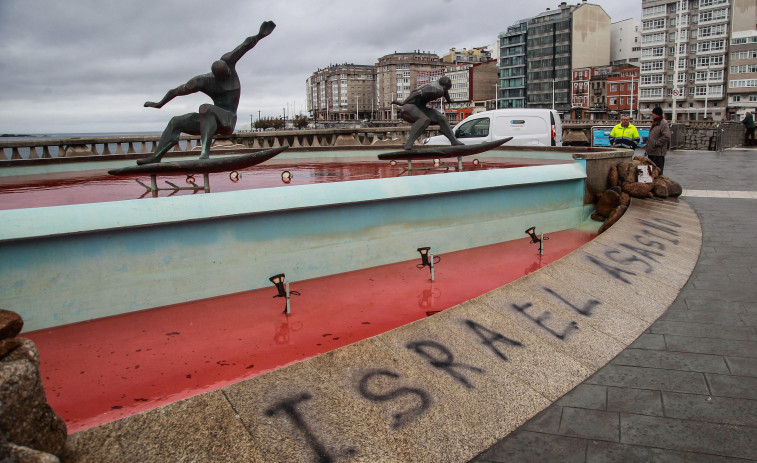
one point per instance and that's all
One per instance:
(132, 146)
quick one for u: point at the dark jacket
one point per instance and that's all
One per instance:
(659, 136)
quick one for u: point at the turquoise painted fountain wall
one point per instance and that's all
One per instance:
(73, 263)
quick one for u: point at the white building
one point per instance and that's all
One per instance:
(684, 55)
(742, 66)
(625, 42)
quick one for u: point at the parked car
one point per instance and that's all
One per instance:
(527, 126)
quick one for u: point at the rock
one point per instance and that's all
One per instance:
(616, 215)
(627, 171)
(638, 190)
(26, 419)
(674, 188)
(625, 199)
(598, 218)
(10, 324)
(660, 188)
(612, 177)
(17, 453)
(607, 203)
(7, 346)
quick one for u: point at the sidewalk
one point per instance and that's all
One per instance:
(686, 390)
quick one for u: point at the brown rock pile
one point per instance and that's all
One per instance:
(30, 431)
(624, 184)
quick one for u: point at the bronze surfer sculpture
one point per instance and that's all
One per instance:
(222, 86)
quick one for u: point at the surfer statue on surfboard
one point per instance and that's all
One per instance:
(414, 110)
(222, 86)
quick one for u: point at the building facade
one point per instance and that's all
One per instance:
(560, 40)
(397, 75)
(342, 92)
(605, 92)
(742, 68)
(474, 55)
(684, 54)
(512, 66)
(625, 42)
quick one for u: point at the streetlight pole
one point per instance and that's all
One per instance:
(553, 93)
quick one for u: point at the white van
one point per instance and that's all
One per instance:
(527, 126)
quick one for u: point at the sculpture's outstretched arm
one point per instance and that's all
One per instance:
(186, 89)
(236, 54)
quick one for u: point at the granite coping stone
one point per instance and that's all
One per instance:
(447, 387)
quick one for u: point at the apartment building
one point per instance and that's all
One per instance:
(474, 55)
(512, 66)
(684, 54)
(568, 37)
(602, 92)
(342, 92)
(397, 75)
(742, 65)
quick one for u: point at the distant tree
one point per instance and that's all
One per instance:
(300, 121)
(269, 123)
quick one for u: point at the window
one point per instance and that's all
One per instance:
(711, 31)
(714, 15)
(653, 39)
(473, 129)
(742, 83)
(653, 11)
(653, 24)
(651, 80)
(743, 68)
(750, 54)
(652, 66)
(650, 93)
(653, 52)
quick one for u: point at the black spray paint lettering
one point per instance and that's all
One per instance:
(489, 337)
(613, 271)
(649, 233)
(544, 316)
(585, 310)
(402, 418)
(440, 357)
(649, 254)
(662, 228)
(629, 260)
(667, 222)
(643, 240)
(289, 407)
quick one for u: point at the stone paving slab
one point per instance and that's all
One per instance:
(203, 428)
(701, 437)
(445, 388)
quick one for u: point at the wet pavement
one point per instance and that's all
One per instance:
(686, 389)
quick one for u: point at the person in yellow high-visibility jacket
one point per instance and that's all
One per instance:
(625, 135)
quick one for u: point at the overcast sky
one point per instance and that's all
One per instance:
(88, 66)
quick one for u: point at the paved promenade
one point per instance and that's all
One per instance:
(686, 390)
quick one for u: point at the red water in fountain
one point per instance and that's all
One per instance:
(98, 371)
(80, 188)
